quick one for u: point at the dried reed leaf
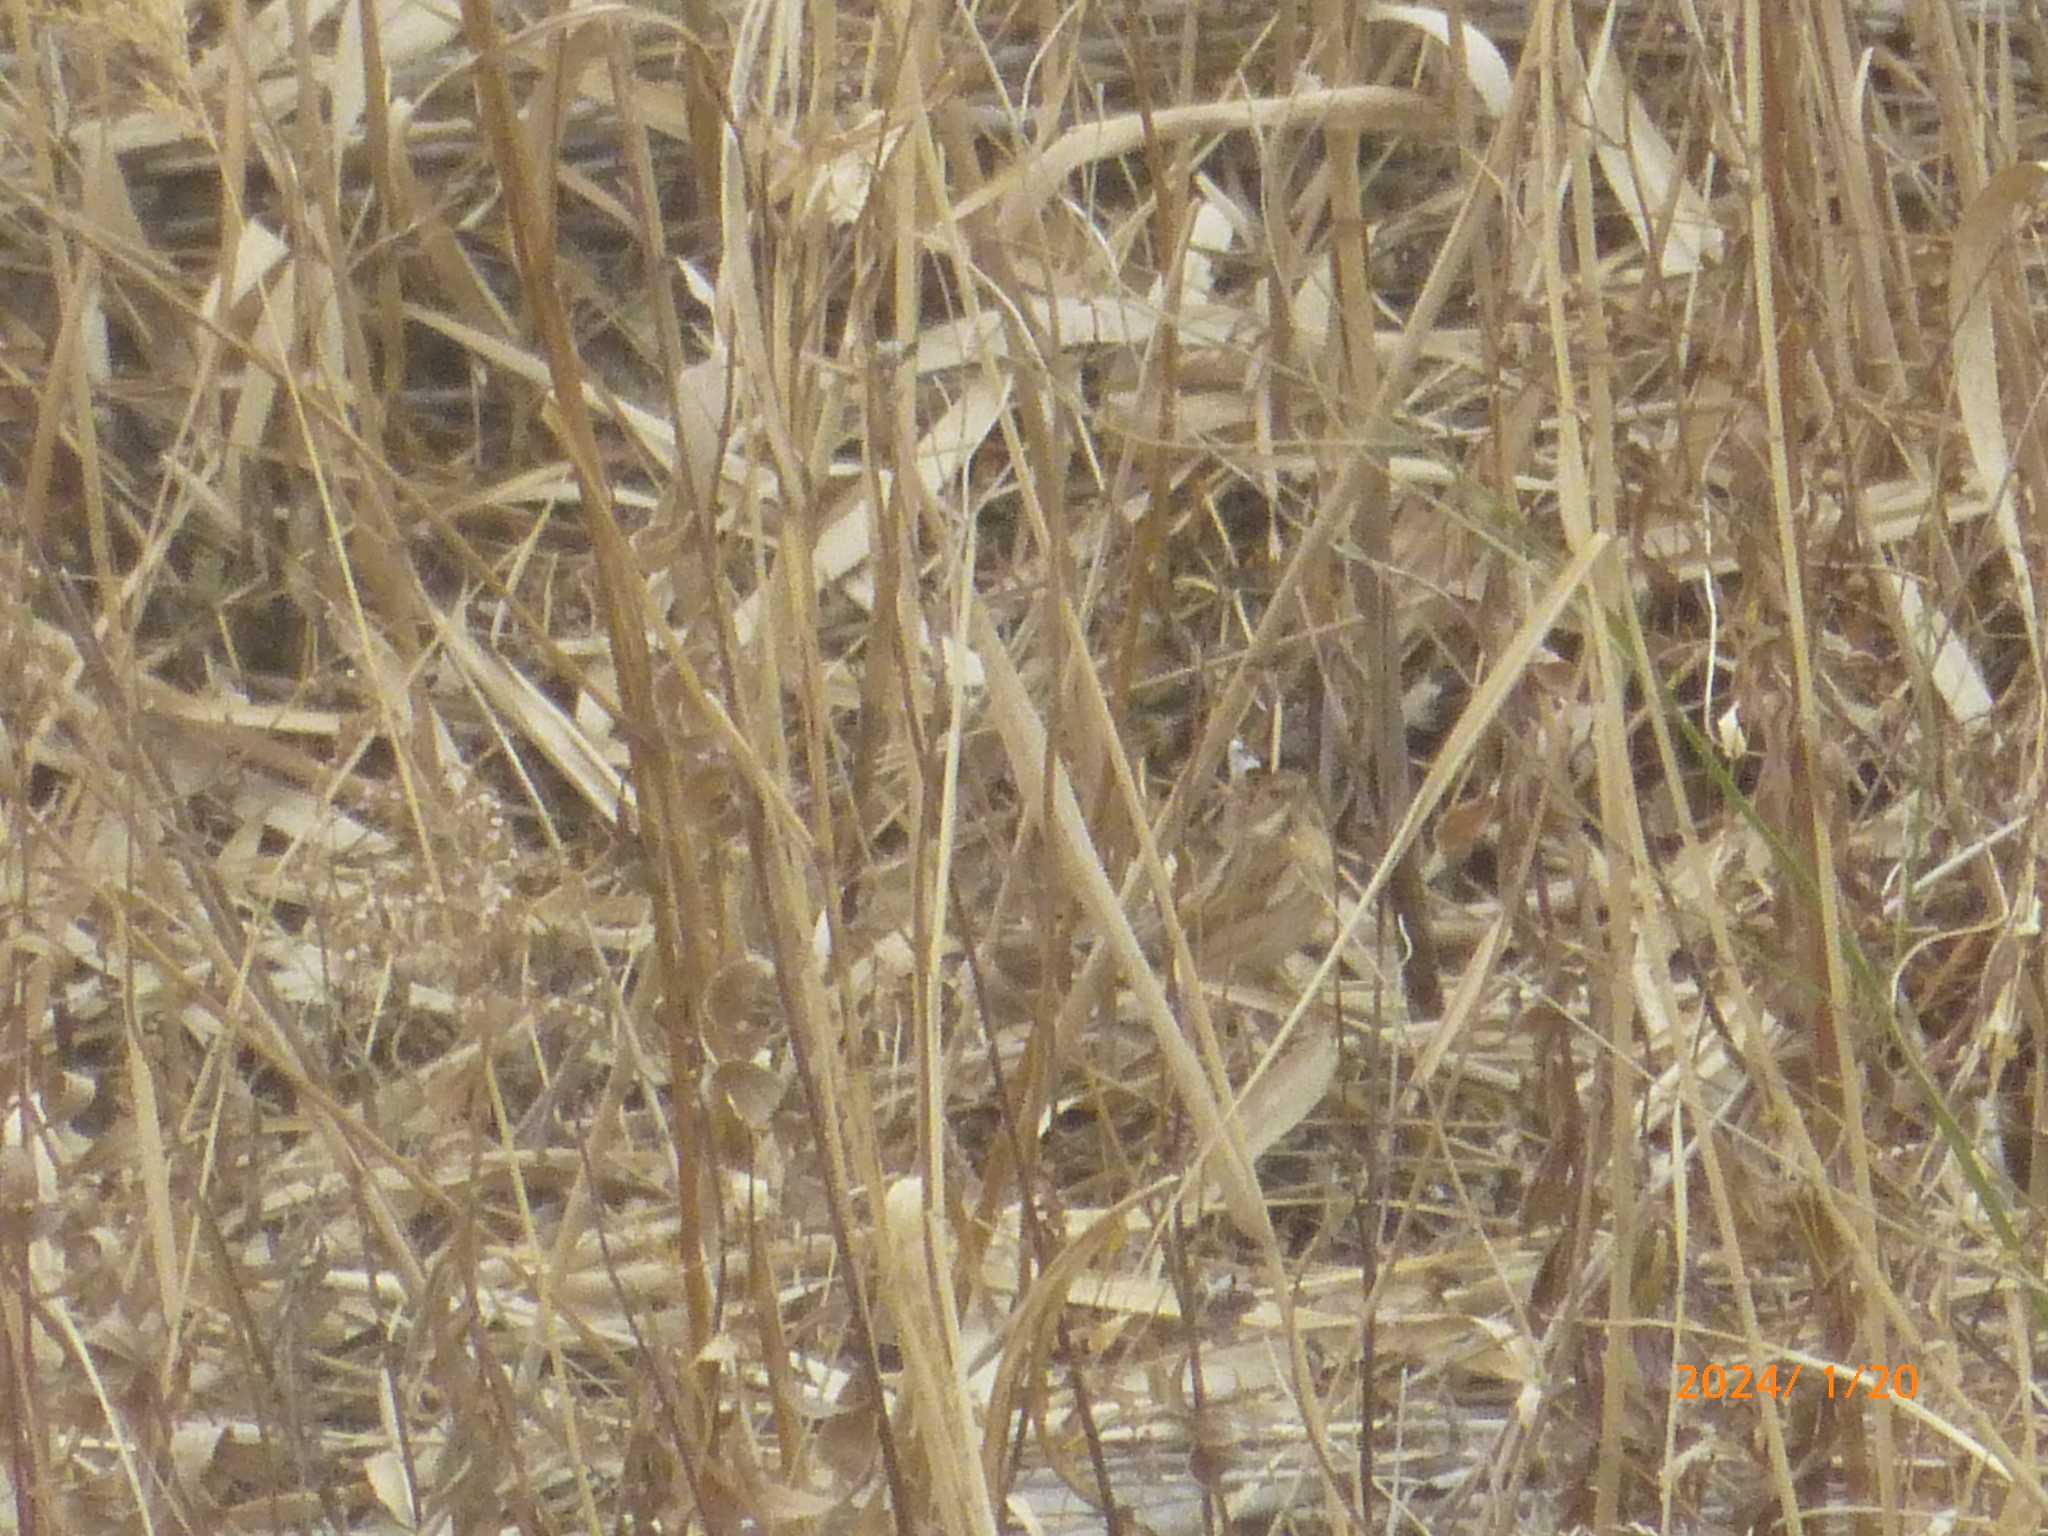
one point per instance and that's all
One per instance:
(1461, 1007)
(1020, 192)
(535, 717)
(407, 30)
(109, 209)
(1950, 666)
(1673, 220)
(223, 712)
(28, 1183)
(1285, 1088)
(1979, 238)
(941, 456)
(264, 44)
(1024, 738)
(153, 1170)
(1109, 320)
(458, 282)
(257, 254)
(387, 1472)
(1210, 228)
(1031, 1330)
(700, 400)
(915, 1257)
(1484, 67)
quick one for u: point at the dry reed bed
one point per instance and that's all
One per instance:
(1143, 682)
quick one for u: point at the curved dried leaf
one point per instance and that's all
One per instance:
(1484, 67)
(1979, 237)
(1671, 216)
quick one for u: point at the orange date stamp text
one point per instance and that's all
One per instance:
(1715, 1381)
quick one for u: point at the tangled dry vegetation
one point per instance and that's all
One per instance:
(1151, 765)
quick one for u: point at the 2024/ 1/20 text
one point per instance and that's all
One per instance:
(1717, 1383)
